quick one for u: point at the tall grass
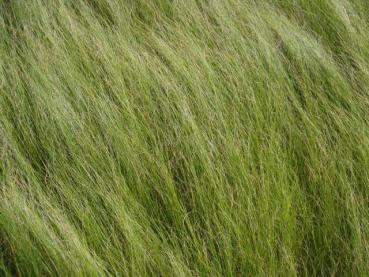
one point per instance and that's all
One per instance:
(184, 138)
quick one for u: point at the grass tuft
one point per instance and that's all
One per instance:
(184, 138)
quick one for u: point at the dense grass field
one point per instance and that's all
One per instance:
(184, 138)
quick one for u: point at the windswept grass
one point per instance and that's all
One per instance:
(184, 138)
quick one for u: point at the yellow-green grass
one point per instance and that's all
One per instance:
(184, 138)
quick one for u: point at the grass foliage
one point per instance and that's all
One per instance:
(184, 138)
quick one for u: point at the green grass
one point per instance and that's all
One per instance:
(184, 138)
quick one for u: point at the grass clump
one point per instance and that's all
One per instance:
(184, 138)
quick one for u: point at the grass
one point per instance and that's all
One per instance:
(184, 138)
